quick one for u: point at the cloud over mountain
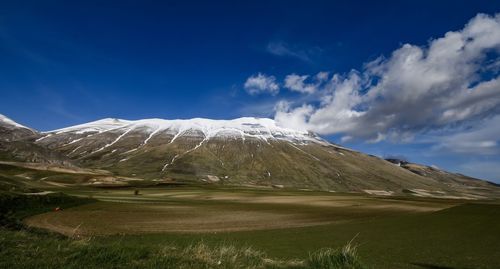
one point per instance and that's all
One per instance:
(452, 82)
(298, 83)
(261, 83)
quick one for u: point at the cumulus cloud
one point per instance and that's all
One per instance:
(261, 83)
(453, 81)
(298, 83)
(295, 118)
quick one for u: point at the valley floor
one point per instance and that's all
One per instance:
(202, 210)
(395, 232)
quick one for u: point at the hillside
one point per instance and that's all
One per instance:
(245, 152)
(17, 143)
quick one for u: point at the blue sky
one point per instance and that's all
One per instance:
(66, 63)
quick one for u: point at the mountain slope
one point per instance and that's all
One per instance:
(17, 143)
(12, 131)
(245, 151)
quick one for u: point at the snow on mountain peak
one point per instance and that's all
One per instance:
(95, 126)
(262, 128)
(6, 120)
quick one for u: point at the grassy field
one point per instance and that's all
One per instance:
(185, 226)
(21, 249)
(213, 210)
(24, 247)
(288, 225)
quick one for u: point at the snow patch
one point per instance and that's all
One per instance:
(247, 127)
(75, 149)
(43, 137)
(8, 121)
(379, 192)
(151, 135)
(116, 140)
(213, 178)
(312, 156)
(171, 162)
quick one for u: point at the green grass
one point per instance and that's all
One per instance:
(466, 235)
(14, 206)
(330, 258)
(23, 249)
(202, 211)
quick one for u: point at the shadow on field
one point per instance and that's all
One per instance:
(432, 266)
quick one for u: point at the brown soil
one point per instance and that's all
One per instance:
(219, 212)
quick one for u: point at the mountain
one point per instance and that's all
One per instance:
(251, 152)
(244, 151)
(17, 143)
(12, 131)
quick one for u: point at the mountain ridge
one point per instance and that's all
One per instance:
(244, 152)
(262, 128)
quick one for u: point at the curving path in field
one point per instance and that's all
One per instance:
(216, 211)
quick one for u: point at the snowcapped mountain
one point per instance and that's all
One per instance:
(244, 128)
(158, 147)
(245, 151)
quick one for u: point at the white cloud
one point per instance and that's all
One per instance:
(292, 118)
(297, 83)
(449, 83)
(261, 83)
(345, 139)
(322, 76)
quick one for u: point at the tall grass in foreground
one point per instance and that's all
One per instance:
(345, 258)
(25, 249)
